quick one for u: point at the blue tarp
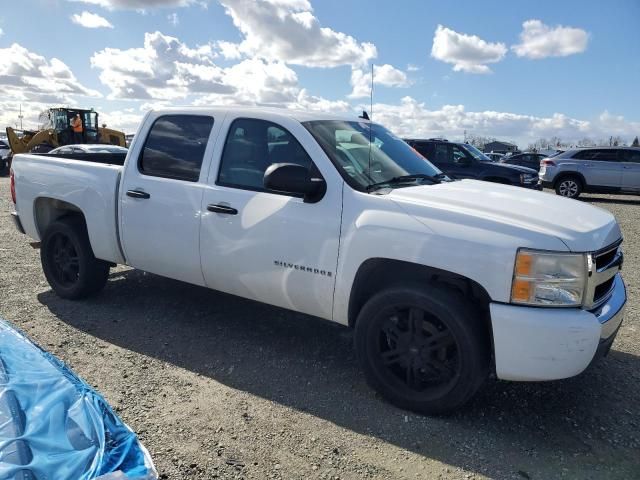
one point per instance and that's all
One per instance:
(53, 426)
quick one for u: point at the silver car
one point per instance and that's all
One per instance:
(592, 170)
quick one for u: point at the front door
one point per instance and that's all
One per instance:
(461, 163)
(265, 245)
(631, 169)
(161, 197)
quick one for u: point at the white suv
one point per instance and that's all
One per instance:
(592, 170)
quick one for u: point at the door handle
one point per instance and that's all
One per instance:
(137, 194)
(222, 209)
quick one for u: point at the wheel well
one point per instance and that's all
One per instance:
(503, 181)
(48, 210)
(575, 175)
(378, 273)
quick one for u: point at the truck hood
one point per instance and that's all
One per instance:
(501, 208)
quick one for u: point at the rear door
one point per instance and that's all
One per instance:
(630, 169)
(161, 194)
(600, 167)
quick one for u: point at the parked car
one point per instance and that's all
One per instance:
(593, 170)
(461, 160)
(335, 217)
(495, 157)
(5, 151)
(88, 148)
(526, 159)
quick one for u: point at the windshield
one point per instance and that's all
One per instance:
(477, 154)
(364, 164)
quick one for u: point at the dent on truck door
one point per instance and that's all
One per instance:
(263, 245)
(161, 195)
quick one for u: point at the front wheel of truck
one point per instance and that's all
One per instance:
(423, 348)
(68, 261)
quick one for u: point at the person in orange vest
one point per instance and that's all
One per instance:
(76, 124)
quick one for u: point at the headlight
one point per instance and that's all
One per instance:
(528, 178)
(549, 279)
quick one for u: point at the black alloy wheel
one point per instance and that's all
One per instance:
(423, 347)
(65, 259)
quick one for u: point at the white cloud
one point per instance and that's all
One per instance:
(287, 31)
(173, 19)
(412, 67)
(386, 75)
(27, 76)
(540, 41)
(411, 118)
(166, 69)
(304, 101)
(126, 120)
(141, 4)
(90, 20)
(1, 32)
(467, 53)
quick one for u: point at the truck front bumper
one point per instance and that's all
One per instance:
(533, 344)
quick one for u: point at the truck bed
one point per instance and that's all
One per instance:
(90, 185)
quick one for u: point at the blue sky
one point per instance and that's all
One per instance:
(575, 76)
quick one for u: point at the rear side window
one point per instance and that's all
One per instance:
(608, 155)
(424, 149)
(440, 155)
(175, 147)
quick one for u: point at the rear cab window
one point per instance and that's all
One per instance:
(175, 146)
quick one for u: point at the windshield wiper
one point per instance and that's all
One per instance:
(406, 179)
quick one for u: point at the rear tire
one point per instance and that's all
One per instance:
(423, 348)
(569, 186)
(68, 261)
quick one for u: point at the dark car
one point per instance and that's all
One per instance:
(461, 160)
(527, 159)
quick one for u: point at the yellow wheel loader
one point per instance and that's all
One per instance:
(57, 131)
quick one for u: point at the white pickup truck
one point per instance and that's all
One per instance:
(444, 282)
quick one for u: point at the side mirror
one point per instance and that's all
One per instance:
(294, 179)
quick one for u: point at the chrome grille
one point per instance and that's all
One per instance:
(603, 267)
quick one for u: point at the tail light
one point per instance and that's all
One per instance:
(13, 186)
(547, 163)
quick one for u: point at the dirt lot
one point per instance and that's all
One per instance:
(220, 387)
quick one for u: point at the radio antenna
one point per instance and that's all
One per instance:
(370, 120)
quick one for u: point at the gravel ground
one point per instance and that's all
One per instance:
(221, 387)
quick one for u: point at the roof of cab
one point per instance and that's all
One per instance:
(299, 115)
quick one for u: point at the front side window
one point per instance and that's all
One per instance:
(175, 147)
(251, 147)
(459, 155)
(367, 154)
(632, 156)
(477, 154)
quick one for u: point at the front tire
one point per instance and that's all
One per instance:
(422, 348)
(68, 261)
(569, 187)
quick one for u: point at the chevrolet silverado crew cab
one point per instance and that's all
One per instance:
(461, 160)
(445, 282)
